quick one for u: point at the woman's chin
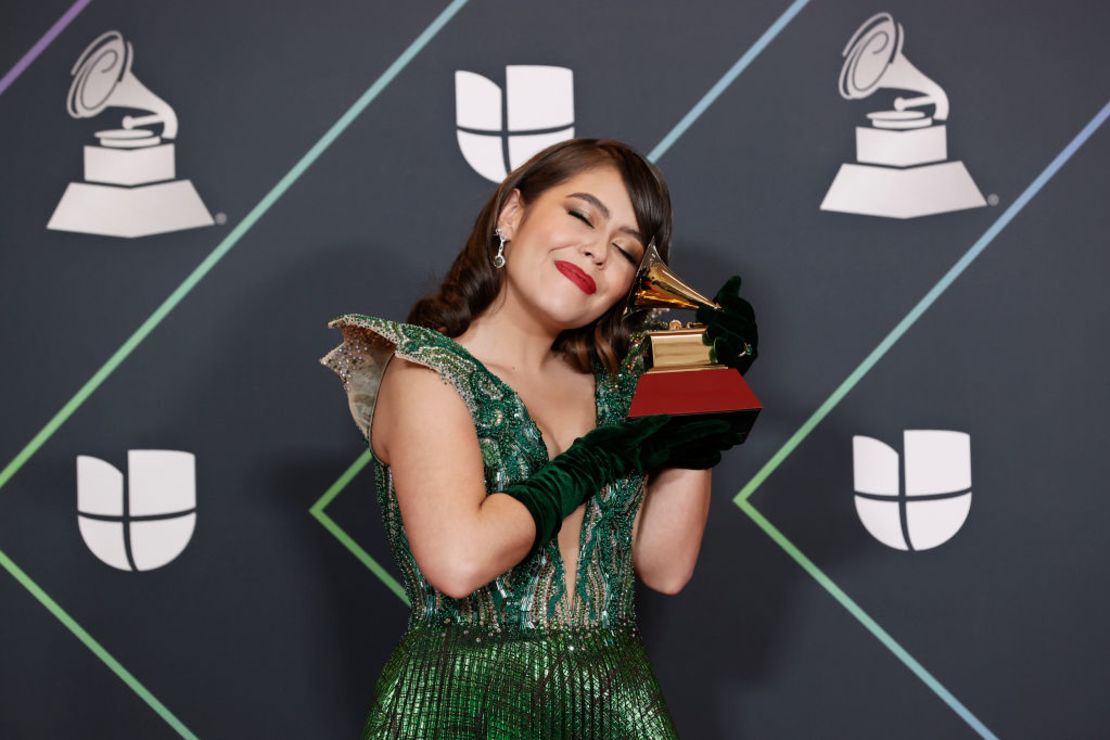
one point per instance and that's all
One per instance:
(568, 314)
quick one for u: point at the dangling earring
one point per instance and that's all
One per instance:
(499, 258)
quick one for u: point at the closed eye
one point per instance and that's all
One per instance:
(631, 258)
(628, 256)
(582, 217)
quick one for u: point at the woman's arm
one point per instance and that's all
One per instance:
(461, 538)
(667, 533)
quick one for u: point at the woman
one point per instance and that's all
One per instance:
(518, 500)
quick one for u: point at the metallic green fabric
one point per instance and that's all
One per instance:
(518, 657)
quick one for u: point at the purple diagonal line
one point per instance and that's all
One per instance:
(41, 44)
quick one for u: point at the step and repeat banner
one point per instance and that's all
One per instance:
(912, 542)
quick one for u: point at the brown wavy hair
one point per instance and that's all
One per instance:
(472, 282)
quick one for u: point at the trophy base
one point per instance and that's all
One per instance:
(109, 210)
(715, 391)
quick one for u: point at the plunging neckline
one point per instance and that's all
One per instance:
(527, 417)
(548, 457)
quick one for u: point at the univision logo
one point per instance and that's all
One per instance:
(937, 487)
(150, 525)
(498, 132)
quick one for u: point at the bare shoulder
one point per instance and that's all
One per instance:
(415, 404)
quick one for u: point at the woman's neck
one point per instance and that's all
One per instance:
(507, 335)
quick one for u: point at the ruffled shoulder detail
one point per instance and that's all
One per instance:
(369, 342)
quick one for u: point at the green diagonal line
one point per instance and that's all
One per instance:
(664, 145)
(94, 646)
(923, 305)
(317, 510)
(882, 635)
(230, 241)
(164, 309)
(672, 136)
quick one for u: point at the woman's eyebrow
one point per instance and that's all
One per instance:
(592, 199)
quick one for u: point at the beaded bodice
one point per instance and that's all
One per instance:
(532, 594)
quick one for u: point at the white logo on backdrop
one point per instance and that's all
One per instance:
(129, 187)
(937, 495)
(497, 133)
(901, 170)
(152, 523)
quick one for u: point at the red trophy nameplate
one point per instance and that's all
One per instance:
(712, 390)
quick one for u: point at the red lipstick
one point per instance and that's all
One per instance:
(577, 276)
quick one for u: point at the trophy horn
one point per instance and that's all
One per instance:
(655, 286)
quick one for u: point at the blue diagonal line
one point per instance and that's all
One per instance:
(923, 305)
(864, 367)
(317, 508)
(727, 79)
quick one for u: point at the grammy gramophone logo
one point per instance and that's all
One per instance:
(901, 168)
(498, 131)
(130, 187)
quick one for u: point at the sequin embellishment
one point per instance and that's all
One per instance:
(528, 604)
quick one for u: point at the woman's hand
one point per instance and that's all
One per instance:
(731, 331)
(664, 441)
(693, 441)
(704, 452)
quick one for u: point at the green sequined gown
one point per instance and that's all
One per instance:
(519, 657)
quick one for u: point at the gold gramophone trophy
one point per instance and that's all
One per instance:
(679, 377)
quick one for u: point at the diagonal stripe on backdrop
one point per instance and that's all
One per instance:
(675, 133)
(230, 241)
(679, 129)
(923, 305)
(856, 375)
(97, 649)
(660, 149)
(317, 510)
(40, 45)
(854, 609)
(727, 79)
(163, 310)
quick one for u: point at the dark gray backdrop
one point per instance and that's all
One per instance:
(270, 625)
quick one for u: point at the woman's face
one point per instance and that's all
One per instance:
(574, 250)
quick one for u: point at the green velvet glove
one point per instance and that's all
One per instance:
(705, 453)
(730, 328)
(608, 453)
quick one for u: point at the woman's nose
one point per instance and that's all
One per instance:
(597, 254)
